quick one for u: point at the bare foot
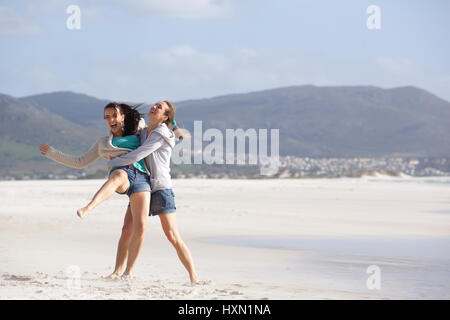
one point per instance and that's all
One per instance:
(83, 212)
(194, 280)
(126, 277)
(113, 276)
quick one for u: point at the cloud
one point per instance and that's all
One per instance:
(43, 79)
(397, 66)
(13, 24)
(192, 9)
(89, 9)
(184, 72)
(45, 7)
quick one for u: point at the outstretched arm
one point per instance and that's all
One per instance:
(153, 143)
(75, 162)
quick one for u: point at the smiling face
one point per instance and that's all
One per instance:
(113, 119)
(158, 113)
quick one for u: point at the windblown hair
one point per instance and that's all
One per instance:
(170, 113)
(132, 116)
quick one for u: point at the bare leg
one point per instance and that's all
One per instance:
(124, 242)
(140, 202)
(117, 181)
(169, 225)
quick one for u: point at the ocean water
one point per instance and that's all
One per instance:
(410, 268)
(434, 248)
(421, 180)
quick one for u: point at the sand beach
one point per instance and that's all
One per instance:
(287, 239)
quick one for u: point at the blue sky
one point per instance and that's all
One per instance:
(140, 50)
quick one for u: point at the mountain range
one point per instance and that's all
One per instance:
(346, 121)
(315, 121)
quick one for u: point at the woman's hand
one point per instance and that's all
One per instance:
(44, 148)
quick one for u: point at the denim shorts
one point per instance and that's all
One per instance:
(162, 201)
(139, 181)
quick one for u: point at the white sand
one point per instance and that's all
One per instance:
(44, 245)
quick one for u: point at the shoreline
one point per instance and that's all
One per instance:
(375, 175)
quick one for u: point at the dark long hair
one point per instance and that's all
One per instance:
(132, 116)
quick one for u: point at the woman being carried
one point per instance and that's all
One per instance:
(123, 122)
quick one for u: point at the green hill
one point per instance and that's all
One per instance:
(357, 121)
(23, 126)
(75, 107)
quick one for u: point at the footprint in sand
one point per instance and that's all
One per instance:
(229, 292)
(16, 278)
(201, 283)
(223, 292)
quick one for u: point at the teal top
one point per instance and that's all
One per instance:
(129, 142)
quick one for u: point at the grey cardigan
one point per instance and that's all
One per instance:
(157, 150)
(102, 148)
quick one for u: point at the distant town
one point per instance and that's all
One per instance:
(337, 167)
(288, 167)
(305, 167)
